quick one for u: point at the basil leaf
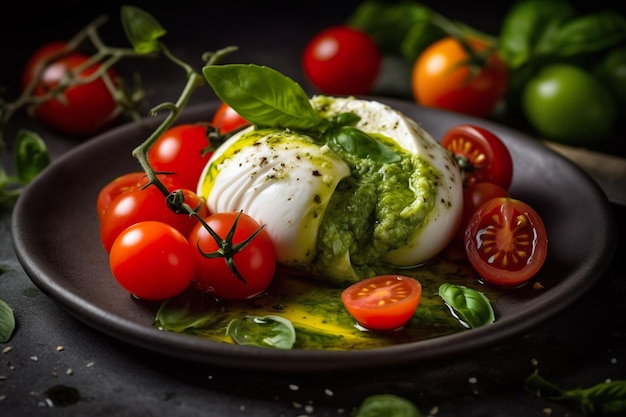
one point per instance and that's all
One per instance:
(31, 155)
(590, 33)
(269, 331)
(142, 30)
(472, 307)
(7, 322)
(528, 29)
(263, 96)
(188, 311)
(387, 405)
(356, 142)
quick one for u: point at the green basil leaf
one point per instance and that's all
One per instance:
(142, 30)
(7, 322)
(387, 405)
(472, 307)
(268, 331)
(31, 155)
(590, 33)
(263, 96)
(190, 310)
(528, 29)
(356, 142)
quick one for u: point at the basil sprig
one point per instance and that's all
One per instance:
(268, 98)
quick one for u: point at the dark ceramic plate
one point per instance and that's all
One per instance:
(55, 233)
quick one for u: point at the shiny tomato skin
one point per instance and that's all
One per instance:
(342, 60)
(441, 78)
(140, 205)
(179, 150)
(128, 182)
(474, 196)
(86, 109)
(506, 242)
(486, 154)
(383, 302)
(152, 261)
(256, 262)
(227, 120)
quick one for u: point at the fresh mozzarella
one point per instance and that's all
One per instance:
(285, 181)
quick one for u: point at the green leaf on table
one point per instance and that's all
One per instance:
(31, 155)
(7, 322)
(142, 30)
(387, 405)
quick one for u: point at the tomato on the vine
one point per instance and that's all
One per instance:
(82, 108)
(183, 151)
(152, 260)
(383, 302)
(506, 242)
(342, 60)
(256, 262)
(139, 205)
(482, 156)
(445, 77)
(227, 120)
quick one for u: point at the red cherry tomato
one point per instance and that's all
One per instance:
(506, 242)
(152, 261)
(181, 150)
(342, 60)
(442, 78)
(474, 196)
(384, 302)
(227, 120)
(140, 205)
(256, 262)
(85, 108)
(482, 156)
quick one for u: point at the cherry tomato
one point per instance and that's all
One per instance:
(139, 205)
(442, 77)
(227, 120)
(152, 260)
(506, 242)
(384, 302)
(474, 196)
(482, 156)
(128, 182)
(181, 150)
(256, 262)
(84, 109)
(342, 60)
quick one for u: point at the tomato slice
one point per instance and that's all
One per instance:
(506, 242)
(384, 302)
(482, 156)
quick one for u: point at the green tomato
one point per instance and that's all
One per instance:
(567, 104)
(612, 71)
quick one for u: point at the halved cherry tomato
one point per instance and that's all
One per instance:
(256, 262)
(152, 260)
(227, 120)
(482, 156)
(140, 205)
(506, 242)
(85, 108)
(384, 302)
(474, 196)
(181, 150)
(445, 77)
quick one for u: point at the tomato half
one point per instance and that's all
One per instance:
(474, 196)
(256, 262)
(227, 120)
(181, 150)
(482, 156)
(506, 242)
(342, 60)
(442, 77)
(84, 108)
(152, 261)
(384, 302)
(140, 205)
